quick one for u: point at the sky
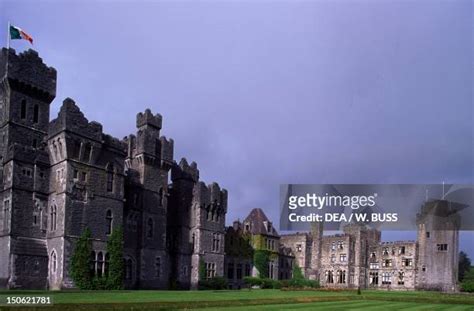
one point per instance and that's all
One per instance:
(263, 93)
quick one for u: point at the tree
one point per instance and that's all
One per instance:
(80, 265)
(464, 265)
(261, 259)
(115, 255)
(297, 273)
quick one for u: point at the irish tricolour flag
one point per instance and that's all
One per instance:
(17, 33)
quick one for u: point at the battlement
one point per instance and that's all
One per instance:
(27, 72)
(167, 149)
(148, 119)
(71, 118)
(388, 243)
(210, 194)
(185, 171)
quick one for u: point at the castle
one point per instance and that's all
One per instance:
(60, 176)
(63, 175)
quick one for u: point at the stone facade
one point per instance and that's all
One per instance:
(358, 257)
(60, 176)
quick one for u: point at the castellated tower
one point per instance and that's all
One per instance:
(27, 88)
(196, 226)
(149, 159)
(438, 243)
(86, 190)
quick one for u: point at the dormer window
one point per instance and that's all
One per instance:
(247, 227)
(269, 226)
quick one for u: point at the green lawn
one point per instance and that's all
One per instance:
(250, 300)
(353, 306)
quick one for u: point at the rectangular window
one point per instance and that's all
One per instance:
(239, 271)
(210, 270)
(401, 250)
(299, 248)
(374, 278)
(374, 265)
(387, 263)
(386, 278)
(230, 271)
(442, 247)
(343, 258)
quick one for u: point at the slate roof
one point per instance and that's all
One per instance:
(257, 219)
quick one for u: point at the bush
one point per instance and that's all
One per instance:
(262, 282)
(252, 281)
(214, 283)
(468, 286)
(270, 283)
(99, 283)
(302, 283)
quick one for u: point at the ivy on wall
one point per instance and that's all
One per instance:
(260, 260)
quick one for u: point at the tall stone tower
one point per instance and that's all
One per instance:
(182, 241)
(27, 88)
(317, 239)
(197, 226)
(438, 242)
(149, 159)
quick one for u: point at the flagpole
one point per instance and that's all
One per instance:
(8, 36)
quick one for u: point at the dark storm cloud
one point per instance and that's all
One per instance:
(263, 93)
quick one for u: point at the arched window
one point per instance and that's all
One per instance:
(110, 177)
(53, 218)
(149, 230)
(23, 109)
(100, 264)
(60, 148)
(35, 114)
(128, 269)
(106, 264)
(54, 262)
(108, 221)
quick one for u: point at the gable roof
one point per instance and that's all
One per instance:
(257, 220)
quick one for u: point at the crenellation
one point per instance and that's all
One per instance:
(147, 119)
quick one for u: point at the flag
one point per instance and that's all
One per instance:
(17, 33)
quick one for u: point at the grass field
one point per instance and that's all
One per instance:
(249, 300)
